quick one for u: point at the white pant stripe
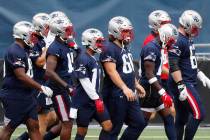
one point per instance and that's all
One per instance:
(62, 109)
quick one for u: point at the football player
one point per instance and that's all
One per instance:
(157, 98)
(17, 89)
(88, 72)
(59, 68)
(156, 19)
(46, 115)
(183, 68)
(120, 82)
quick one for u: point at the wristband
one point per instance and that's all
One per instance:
(152, 80)
(161, 91)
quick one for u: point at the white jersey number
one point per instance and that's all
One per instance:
(70, 57)
(30, 69)
(193, 59)
(127, 63)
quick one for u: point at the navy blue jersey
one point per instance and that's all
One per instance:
(64, 66)
(34, 54)
(184, 52)
(151, 52)
(124, 66)
(16, 57)
(86, 66)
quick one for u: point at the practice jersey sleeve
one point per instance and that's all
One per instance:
(16, 60)
(80, 67)
(149, 54)
(54, 50)
(108, 55)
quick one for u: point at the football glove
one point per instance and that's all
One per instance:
(99, 105)
(204, 79)
(166, 99)
(182, 91)
(47, 91)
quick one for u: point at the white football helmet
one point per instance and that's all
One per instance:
(191, 21)
(57, 14)
(93, 39)
(62, 27)
(158, 18)
(121, 28)
(41, 23)
(168, 34)
(24, 30)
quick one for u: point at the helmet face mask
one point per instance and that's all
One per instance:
(191, 21)
(93, 38)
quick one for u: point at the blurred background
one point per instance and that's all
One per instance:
(96, 13)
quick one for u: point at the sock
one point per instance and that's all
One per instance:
(23, 136)
(79, 137)
(170, 127)
(49, 136)
(191, 128)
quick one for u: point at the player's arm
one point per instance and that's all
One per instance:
(140, 89)
(21, 75)
(110, 69)
(91, 92)
(41, 60)
(149, 72)
(174, 58)
(51, 64)
(149, 69)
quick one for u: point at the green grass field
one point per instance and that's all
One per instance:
(149, 133)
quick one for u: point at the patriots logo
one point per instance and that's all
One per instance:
(93, 31)
(195, 19)
(109, 59)
(151, 56)
(81, 69)
(175, 50)
(157, 14)
(119, 21)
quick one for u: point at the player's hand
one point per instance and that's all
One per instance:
(129, 93)
(99, 105)
(70, 90)
(182, 91)
(204, 79)
(140, 90)
(47, 91)
(167, 100)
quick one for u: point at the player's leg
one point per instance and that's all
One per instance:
(135, 121)
(196, 109)
(104, 120)
(62, 107)
(33, 129)
(13, 117)
(84, 116)
(53, 132)
(117, 105)
(6, 132)
(168, 120)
